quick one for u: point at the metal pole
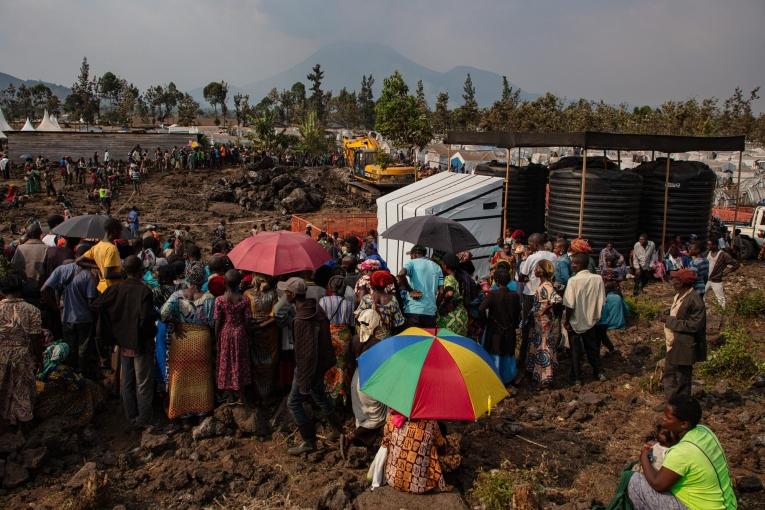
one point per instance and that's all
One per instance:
(507, 185)
(581, 194)
(666, 202)
(449, 158)
(619, 158)
(653, 154)
(738, 192)
(519, 157)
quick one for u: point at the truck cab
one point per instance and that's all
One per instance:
(751, 236)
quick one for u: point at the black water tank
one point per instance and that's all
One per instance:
(525, 195)
(691, 193)
(611, 202)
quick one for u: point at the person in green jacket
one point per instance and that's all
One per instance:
(694, 474)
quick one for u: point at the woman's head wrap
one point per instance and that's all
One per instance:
(381, 279)
(369, 265)
(580, 246)
(686, 276)
(195, 274)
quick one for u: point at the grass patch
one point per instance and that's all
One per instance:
(733, 359)
(750, 303)
(495, 488)
(643, 308)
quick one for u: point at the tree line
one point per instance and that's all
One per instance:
(405, 118)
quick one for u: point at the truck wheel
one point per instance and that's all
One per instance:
(747, 249)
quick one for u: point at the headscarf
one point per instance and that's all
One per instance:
(517, 235)
(369, 265)
(580, 246)
(686, 276)
(381, 279)
(464, 256)
(547, 268)
(397, 418)
(337, 285)
(195, 274)
(54, 355)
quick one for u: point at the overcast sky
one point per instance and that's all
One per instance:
(641, 51)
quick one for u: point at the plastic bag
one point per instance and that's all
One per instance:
(376, 471)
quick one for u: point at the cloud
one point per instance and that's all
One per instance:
(616, 50)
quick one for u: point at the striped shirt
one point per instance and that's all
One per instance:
(701, 266)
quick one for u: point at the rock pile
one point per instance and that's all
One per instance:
(285, 189)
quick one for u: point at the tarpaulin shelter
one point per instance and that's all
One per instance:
(589, 140)
(4, 126)
(46, 124)
(473, 200)
(28, 126)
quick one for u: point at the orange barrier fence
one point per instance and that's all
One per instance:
(343, 224)
(726, 214)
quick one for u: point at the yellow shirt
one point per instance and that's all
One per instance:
(105, 255)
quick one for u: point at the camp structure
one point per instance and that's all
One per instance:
(4, 126)
(54, 121)
(46, 124)
(473, 200)
(28, 126)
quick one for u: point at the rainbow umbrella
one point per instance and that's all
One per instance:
(441, 376)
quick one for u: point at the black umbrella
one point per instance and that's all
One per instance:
(89, 226)
(435, 232)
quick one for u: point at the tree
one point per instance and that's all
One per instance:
(397, 116)
(468, 114)
(297, 94)
(171, 98)
(212, 94)
(83, 102)
(187, 110)
(222, 100)
(502, 116)
(317, 98)
(343, 109)
(238, 108)
(366, 102)
(110, 87)
(153, 98)
(313, 140)
(419, 94)
(265, 133)
(442, 117)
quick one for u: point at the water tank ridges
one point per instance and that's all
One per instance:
(611, 204)
(525, 194)
(691, 192)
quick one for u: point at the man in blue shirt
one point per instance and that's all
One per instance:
(423, 280)
(76, 286)
(700, 264)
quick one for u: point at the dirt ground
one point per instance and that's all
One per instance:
(581, 437)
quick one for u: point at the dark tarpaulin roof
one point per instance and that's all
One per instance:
(597, 140)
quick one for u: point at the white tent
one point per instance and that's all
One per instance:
(46, 124)
(473, 200)
(4, 126)
(54, 121)
(2, 136)
(28, 126)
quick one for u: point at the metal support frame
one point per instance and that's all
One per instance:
(738, 194)
(507, 187)
(581, 194)
(666, 203)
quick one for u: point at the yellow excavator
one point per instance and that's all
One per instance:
(369, 175)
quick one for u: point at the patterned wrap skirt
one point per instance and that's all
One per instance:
(190, 372)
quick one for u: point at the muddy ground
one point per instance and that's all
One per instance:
(578, 437)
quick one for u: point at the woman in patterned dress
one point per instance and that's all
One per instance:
(452, 313)
(232, 310)
(412, 464)
(266, 342)
(542, 360)
(190, 363)
(20, 334)
(340, 313)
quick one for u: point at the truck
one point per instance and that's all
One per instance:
(372, 171)
(751, 236)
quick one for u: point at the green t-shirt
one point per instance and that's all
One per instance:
(704, 482)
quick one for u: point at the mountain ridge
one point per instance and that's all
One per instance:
(59, 90)
(345, 63)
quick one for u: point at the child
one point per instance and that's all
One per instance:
(665, 439)
(232, 311)
(613, 315)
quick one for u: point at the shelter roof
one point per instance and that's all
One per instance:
(599, 140)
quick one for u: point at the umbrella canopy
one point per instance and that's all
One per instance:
(436, 232)
(275, 253)
(89, 226)
(26, 156)
(440, 376)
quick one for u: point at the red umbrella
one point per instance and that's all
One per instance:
(275, 253)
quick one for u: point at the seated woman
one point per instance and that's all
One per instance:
(412, 464)
(694, 473)
(63, 392)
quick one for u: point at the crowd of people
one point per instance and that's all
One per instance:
(193, 334)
